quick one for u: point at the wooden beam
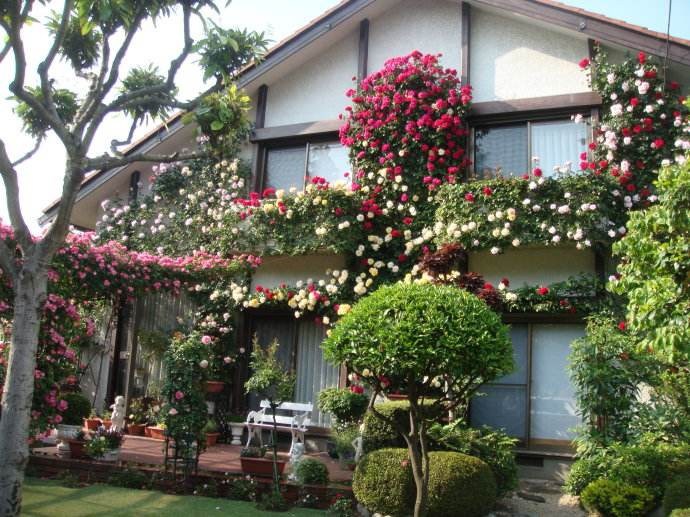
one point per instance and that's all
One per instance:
(465, 43)
(535, 104)
(363, 55)
(296, 130)
(259, 151)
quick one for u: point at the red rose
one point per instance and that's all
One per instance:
(487, 191)
(537, 172)
(584, 63)
(542, 291)
(505, 281)
(469, 197)
(658, 143)
(622, 325)
(641, 57)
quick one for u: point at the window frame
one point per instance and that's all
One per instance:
(265, 146)
(591, 115)
(530, 320)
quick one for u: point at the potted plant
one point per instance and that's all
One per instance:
(113, 442)
(76, 407)
(137, 417)
(157, 432)
(236, 423)
(254, 463)
(271, 382)
(211, 431)
(76, 445)
(152, 417)
(92, 422)
(105, 419)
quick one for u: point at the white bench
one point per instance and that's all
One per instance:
(296, 423)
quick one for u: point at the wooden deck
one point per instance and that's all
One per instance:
(218, 458)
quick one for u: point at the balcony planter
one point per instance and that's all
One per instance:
(214, 386)
(212, 439)
(136, 429)
(155, 432)
(261, 467)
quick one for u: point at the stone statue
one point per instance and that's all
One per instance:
(118, 418)
(358, 444)
(295, 457)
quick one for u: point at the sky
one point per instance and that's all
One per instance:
(40, 178)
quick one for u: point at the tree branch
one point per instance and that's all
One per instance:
(29, 154)
(45, 65)
(9, 177)
(97, 111)
(114, 144)
(109, 162)
(89, 105)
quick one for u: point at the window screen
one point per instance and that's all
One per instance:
(556, 142)
(285, 167)
(329, 161)
(500, 151)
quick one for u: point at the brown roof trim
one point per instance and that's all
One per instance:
(596, 26)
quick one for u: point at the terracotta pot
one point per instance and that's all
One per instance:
(136, 429)
(92, 423)
(158, 433)
(76, 448)
(396, 396)
(260, 467)
(214, 386)
(212, 439)
(147, 431)
(107, 423)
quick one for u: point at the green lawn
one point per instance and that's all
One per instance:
(50, 499)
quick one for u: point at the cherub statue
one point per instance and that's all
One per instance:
(118, 417)
(295, 457)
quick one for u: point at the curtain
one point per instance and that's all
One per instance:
(558, 142)
(500, 151)
(314, 373)
(285, 167)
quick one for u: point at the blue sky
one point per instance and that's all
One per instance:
(41, 178)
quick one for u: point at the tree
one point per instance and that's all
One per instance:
(437, 343)
(655, 269)
(94, 38)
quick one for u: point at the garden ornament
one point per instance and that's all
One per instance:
(295, 457)
(118, 417)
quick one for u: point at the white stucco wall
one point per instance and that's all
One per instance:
(431, 26)
(316, 89)
(512, 59)
(289, 269)
(532, 265)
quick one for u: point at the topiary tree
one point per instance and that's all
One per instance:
(437, 343)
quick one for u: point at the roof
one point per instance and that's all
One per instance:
(594, 25)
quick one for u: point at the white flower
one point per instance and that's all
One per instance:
(516, 242)
(203, 363)
(495, 250)
(617, 109)
(643, 87)
(611, 78)
(511, 297)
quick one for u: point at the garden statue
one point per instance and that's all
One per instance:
(118, 417)
(295, 457)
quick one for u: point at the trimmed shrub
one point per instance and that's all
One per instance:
(78, 408)
(458, 481)
(309, 471)
(379, 433)
(383, 483)
(682, 512)
(677, 495)
(616, 499)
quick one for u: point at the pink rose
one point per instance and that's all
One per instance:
(179, 395)
(206, 340)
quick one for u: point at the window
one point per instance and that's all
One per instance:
(507, 149)
(535, 403)
(293, 166)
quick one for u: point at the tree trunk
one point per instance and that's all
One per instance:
(419, 458)
(18, 390)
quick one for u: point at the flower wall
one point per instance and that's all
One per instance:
(407, 196)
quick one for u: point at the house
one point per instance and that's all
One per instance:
(521, 58)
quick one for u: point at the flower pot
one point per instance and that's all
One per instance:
(111, 455)
(136, 429)
(214, 386)
(66, 432)
(147, 431)
(92, 423)
(158, 433)
(76, 448)
(212, 439)
(260, 466)
(396, 396)
(107, 423)
(237, 430)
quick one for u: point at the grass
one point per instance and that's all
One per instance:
(46, 498)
